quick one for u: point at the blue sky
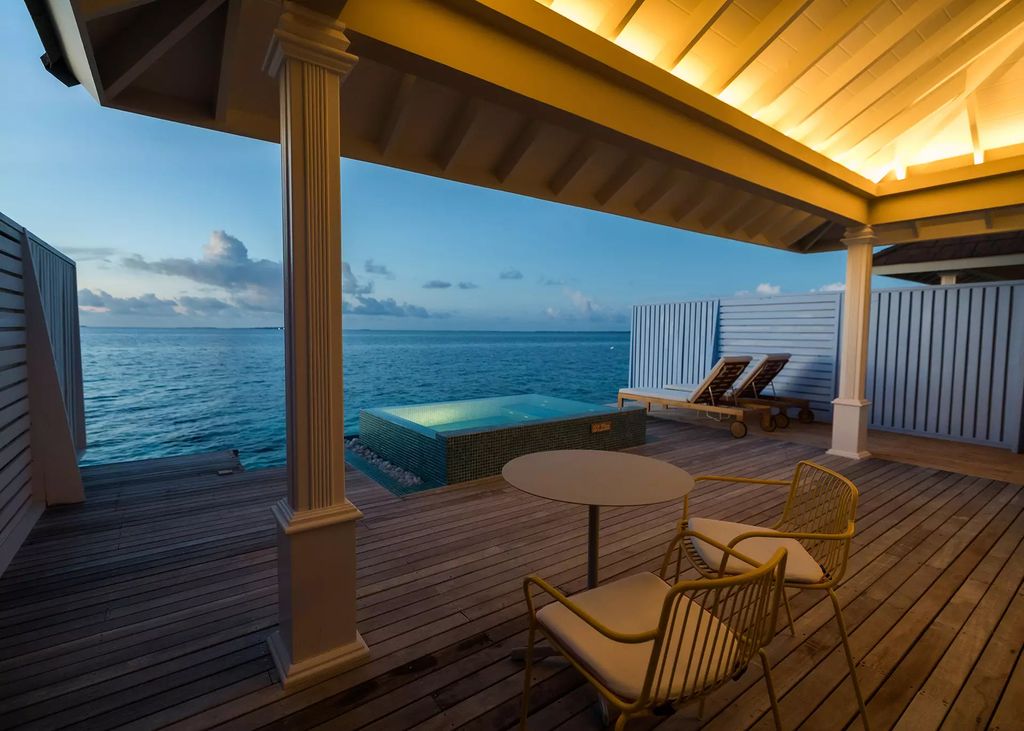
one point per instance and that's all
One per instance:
(175, 226)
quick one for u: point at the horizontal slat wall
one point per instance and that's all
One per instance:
(805, 326)
(672, 343)
(19, 505)
(947, 362)
(58, 291)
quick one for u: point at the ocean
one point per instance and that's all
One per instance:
(162, 392)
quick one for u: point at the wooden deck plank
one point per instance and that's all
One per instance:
(148, 606)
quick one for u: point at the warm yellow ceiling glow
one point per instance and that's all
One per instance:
(874, 85)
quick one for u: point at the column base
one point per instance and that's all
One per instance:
(316, 567)
(850, 428)
(314, 669)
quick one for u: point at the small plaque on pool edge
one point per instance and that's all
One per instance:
(599, 426)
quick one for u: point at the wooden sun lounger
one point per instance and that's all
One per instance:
(757, 390)
(711, 396)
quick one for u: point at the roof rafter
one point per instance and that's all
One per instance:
(513, 154)
(572, 165)
(458, 130)
(617, 17)
(832, 124)
(159, 26)
(656, 192)
(690, 32)
(629, 167)
(396, 114)
(778, 19)
(835, 31)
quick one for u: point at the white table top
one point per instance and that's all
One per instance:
(595, 477)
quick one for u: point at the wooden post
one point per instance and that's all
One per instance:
(851, 409)
(317, 636)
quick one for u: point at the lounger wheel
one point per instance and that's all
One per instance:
(738, 429)
(781, 420)
(806, 416)
(768, 422)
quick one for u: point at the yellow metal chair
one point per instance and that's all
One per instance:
(649, 646)
(816, 528)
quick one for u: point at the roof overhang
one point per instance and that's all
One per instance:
(510, 95)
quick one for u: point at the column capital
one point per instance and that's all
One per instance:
(306, 35)
(860, 234)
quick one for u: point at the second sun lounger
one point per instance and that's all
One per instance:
(711, 396)
(757, 389)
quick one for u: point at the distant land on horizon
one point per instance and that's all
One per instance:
(348, 329)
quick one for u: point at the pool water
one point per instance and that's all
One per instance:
(486, 413)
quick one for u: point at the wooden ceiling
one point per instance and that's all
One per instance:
(883, 87)
(513, 95)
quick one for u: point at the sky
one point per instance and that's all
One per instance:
(176, 226)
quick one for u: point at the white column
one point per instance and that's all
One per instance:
(317, 634)
(850, 411)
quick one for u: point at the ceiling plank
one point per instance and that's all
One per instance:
(778, 19)
(157, 28)
(828, 38)
(572, 165)
(913, 76)
(457, 132)
(517, 149)
(617, 17)
(986, 54)
(629, 167)
(396, 114)
(690, 32)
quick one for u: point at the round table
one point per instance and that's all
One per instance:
(597, 478)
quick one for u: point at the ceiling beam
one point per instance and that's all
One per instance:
(682, 40)
(617, 17)
(741, 217)
(457, 132)
(517, 149)
(778, 19)
(972, 123)
(965, 196)
(691, 199)
(848, 19)
(625, 172)
(156, 29)
(396, 114)
(569, 169)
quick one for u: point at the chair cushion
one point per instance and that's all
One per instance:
(800, 565)
(633, 605)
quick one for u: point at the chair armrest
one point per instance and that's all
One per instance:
(724, 478)
(624, 637)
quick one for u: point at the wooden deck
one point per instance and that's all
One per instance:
(148, 605)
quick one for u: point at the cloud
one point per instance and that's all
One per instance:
(372, 267)
(437, 284)
(585, 308)
(90, 253)
(833, 287)
(764, 289)
(467, 285)
(102, 302)
(511, 274)
(350, 283)
(386, 308)
(547, 282)
(251, 283)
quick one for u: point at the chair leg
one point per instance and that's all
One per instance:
(789, 612)
(849, 658)
(527, 670)
(766, 666)
(620, 722)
